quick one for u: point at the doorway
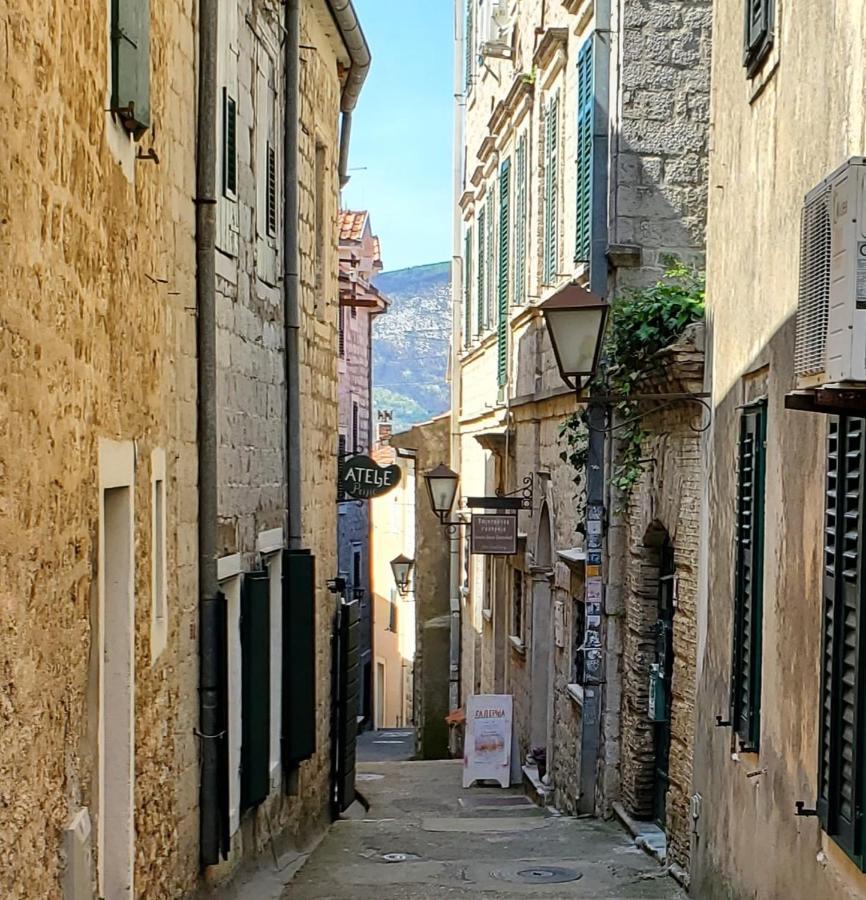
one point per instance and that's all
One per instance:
(664, 660)
(542, 635)
(116, 770)
(380, 695)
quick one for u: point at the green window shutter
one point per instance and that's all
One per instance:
(841, 742)
(520, 222)
(467, 288)
(551, 190)
(470, 42)
(299, 657)
(585, 113)
(748, 598)
(490, 290)
(758, 33)
(130, 64)
(255, 688)
(230, 152)
(482, 277)
(502, 317)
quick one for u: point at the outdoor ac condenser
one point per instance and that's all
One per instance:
(830, 347)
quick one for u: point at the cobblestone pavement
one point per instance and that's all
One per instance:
(426, 837)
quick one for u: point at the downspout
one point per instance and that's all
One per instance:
(210, 600)
(291, 276)
(454, 688)
(359, 53)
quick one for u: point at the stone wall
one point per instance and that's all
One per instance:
(97, 341)
(664, 505)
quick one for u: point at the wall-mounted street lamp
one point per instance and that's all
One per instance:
(402, 567)
(442, 489)
(575, 320)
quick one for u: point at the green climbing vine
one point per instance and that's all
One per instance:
(641, 323)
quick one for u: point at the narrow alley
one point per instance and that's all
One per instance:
(424, 836)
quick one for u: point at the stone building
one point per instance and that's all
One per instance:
(98, 692)
(360, 261)
(101, 766)
(779, 718)
(585, 135)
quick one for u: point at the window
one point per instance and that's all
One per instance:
(355, 425)
(502, 311)
(551, 190)
(341, 458)
(319, 229)
(578, 642)
(130, 64)
(482, 262)
(758, 37)
(517, 604)
(749, 577)
(490, 289)
(392, 612)
(520, 206)
(357, 586)
(159, 613)
(469, 37)
(585, 111)
(271, 203)
(230, 155)
(467, 288)
(226, 114)
(342, 330)
(487, 597)
(842, 742)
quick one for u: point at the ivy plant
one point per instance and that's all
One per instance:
(642, 322)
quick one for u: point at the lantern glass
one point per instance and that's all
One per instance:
(402, 567)
(442, 489)
(575, 320)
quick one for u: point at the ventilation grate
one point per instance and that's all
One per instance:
(814, 302)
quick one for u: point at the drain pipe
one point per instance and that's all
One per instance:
(291, 273)
(359, 53)
(210, 601)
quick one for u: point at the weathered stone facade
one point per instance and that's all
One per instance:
(663, 508)
(97, 359)
(748, 840)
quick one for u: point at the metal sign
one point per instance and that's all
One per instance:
(364, 478)
(494, 535)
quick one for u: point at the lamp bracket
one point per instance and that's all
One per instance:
(522, 498)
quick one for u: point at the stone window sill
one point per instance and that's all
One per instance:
(488, 615)
(517, 644)
(575, 691)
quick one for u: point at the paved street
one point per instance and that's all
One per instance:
(393, 745)
(424, 836)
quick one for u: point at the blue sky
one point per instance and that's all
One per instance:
(400, 159)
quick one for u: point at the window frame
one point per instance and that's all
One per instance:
(517, 624)
(758, 33)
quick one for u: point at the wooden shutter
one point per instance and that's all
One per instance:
(341, 459)
(230, 142)
(520, 222)
(490, 290)
(504, 233)
(746, 671)
(757, 33)
(467, 288)
(299, 657)
(551, 190)
(585, 113)
(255, 688)
(271, 198)
(482, 277)
(470, 42)
(130, 64)
(840, 759)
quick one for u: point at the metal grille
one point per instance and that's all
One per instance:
(272, 192)
(814, 302)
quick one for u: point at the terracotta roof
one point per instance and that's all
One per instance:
(352, 225)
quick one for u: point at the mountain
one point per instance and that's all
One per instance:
(411, 343)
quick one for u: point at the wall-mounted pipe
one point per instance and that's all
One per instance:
(359, 53)
(210, 602)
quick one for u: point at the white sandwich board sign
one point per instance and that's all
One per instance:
(487, 747)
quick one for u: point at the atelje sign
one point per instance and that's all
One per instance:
(364, 478)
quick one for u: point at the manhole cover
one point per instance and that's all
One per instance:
(399, 857)
(368, 776)
(538, 875)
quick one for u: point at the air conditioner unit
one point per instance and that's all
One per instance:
(495, 38)
(830, 349)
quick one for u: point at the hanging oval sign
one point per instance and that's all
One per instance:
(364, 478)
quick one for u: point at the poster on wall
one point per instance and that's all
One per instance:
(487, 749)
